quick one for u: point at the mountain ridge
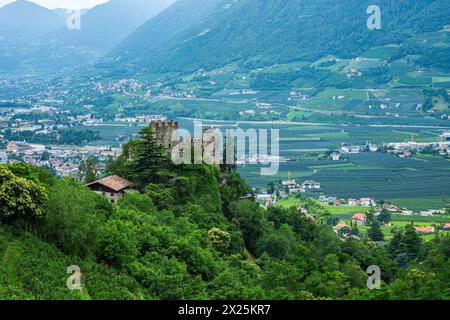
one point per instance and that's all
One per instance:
(272, 32)
(22, 20)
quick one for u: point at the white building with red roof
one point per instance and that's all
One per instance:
(359, 219)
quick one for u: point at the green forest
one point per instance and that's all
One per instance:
(190, 232)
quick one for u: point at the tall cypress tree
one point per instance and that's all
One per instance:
(149, 157)
(375, 232)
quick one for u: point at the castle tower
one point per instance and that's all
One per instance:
(163, 132)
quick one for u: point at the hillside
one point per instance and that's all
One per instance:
(186, 233)
(37, 41)
(106, 25)
(23, 20)
(258, 33)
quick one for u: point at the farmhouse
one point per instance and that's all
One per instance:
(391, 207)
(296, 189)
(373, 147)
(363, 202)
(425, 230)
(266, 200)
(310, 184)
(340, 227)
(428, 213)
(359, 219)
(407, 212)
(329, 200)
(113, 187)
(367, 202)
(289, 182)
(335, 156)
(350, 149)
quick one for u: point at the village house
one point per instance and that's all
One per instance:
(266, 200)
(425, 230)
(329, 200)
(112, 187)
(391, 208)
(367, 202)
(311, 184)
(291, 186)
(363, 202)
(446, 226)
(296, 189)
(288, 182)
(373, 147)
(427, 213)
(335, 156)
(359, 219)
(340, 227)
(350, 149)
(407, 212)
(437, 211)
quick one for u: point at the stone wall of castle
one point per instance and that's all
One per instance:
(163, 132)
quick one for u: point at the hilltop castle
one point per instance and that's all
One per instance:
(165, 130)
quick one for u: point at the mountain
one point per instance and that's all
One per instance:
(268, 32)
(176, 19)
(49, 47)
(106, 25)
(23, 20)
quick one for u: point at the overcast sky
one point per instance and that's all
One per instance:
(69, 4)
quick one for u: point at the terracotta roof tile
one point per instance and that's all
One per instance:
(425, 229)
(359, 216)
(340, 226)
(115, 183)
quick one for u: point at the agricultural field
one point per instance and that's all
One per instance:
(388, 231)
(112, 133)
(421, 203)
(345, 213)
(405, 182)
(345, 210)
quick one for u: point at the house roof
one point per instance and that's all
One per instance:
(359, 216)
(115, 183)
(340, 226)
(425, 229)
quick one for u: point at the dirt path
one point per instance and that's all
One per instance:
(9, 264)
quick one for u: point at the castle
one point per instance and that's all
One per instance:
(164, 131)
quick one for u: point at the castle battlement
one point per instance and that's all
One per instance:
(163, 124)
(164, 130)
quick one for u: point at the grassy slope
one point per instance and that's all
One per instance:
(33, 269)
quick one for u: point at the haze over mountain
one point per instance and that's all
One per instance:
(106, 25)
(271, 31)
(36, 39)
(23, 20)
